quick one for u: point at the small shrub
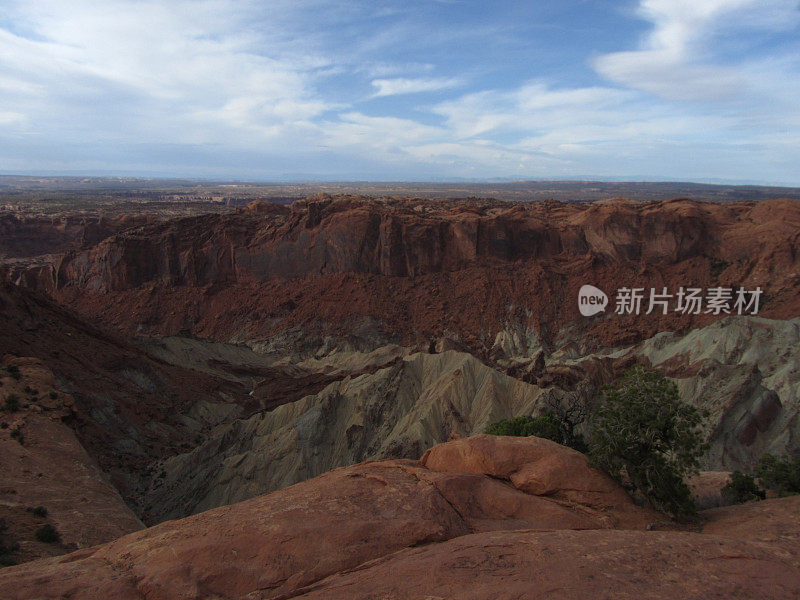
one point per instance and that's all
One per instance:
(53, 395)
(13, 370)
(6, 560)
(545, 426)
(3, 425)
(12, 403)
(47, 534)
(718, 266)
(39, 511)
(16, 434)
(780, 474)
(6, 549)
(742, 488)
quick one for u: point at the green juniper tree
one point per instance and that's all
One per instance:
(644, 436)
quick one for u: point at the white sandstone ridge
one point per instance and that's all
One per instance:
(398, 411)
(746, 372)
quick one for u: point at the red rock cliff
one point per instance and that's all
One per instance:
(421, 267)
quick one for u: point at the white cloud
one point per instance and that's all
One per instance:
(11, 118)
(156, 69)
(245, 82)
(676, 60)
(533, 107)
(399, 85)
(382, 69)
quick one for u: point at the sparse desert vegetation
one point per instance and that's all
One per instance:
(47, 534)
(11, 403)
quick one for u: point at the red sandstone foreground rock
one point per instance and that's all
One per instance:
(465, 522)
(765, 521)
(574, 565)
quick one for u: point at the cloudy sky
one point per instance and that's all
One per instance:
(402, 89)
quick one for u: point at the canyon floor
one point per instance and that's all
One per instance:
(255, 400)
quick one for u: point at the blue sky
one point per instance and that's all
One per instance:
(402, 90)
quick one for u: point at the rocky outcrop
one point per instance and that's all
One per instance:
(400, 529)
(538, 467)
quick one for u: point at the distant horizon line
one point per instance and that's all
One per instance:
(315, 180)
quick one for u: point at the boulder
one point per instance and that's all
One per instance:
(539, 467)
